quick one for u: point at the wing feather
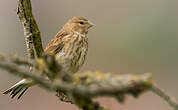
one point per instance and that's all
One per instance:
(56, 45)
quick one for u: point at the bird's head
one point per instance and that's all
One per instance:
(78, 24)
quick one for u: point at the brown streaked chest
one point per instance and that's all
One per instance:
(73, 54)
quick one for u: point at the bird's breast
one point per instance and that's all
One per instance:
(73, 54)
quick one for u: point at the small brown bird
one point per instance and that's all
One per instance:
(69, 46)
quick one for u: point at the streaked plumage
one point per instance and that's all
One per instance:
(69, 46)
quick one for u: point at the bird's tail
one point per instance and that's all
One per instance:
(19, 88)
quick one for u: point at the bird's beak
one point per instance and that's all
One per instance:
(90, 24)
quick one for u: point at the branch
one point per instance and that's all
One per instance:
(107, 84)
(85, 85)
(31, 31)
(92, 84)
(170, 100)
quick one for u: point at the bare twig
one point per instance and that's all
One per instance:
(170, 100)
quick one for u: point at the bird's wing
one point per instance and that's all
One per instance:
(56, 43)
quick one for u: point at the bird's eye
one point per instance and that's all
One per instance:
(81, 22)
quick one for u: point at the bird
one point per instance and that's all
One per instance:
(69, 46)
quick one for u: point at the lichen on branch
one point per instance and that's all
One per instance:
(31, 30)
(86, 85)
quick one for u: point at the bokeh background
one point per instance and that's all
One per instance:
(130, 36)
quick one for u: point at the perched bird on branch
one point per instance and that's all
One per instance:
(69, 47)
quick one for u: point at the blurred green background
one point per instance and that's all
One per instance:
(130, 36)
